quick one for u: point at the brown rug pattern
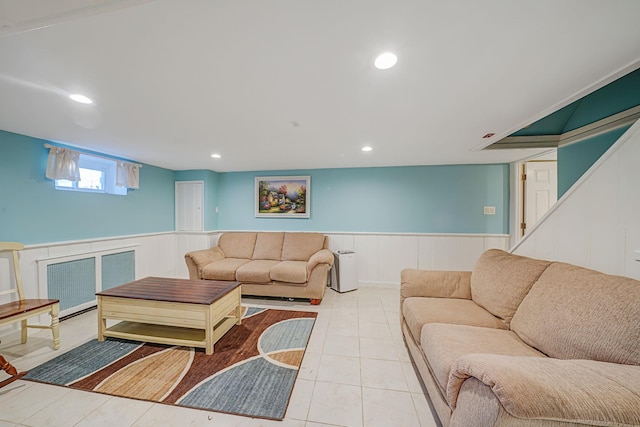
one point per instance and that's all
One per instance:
(251, 372)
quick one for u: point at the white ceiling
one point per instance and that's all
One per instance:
(289, 84)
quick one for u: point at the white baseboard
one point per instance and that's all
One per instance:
(382, 285)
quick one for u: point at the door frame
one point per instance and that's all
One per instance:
(176, 204)
(517, 192)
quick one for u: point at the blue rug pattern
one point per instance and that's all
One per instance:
(251, 372)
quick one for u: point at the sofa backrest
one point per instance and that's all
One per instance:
(272, 245)
(300, 246)
(237, 245)
(500, 280)
(576, 313)
(268, 246)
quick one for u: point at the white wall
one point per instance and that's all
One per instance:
(381, 257)
(596, 224)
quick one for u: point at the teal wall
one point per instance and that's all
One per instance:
(575, 159)
(210, 180)
(615, 97)
(412, 199)
(32, 211)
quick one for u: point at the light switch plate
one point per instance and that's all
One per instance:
(636, 255)
(489, 210)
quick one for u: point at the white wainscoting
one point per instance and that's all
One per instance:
(155, 256)
(381, 257)
(191, 241)
(596, 224)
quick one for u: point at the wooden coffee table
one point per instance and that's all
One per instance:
(192, 313)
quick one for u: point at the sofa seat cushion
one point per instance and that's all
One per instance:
(444, 344)
(224, 269)
(500, 281)
(289, 271)
(256, 271)
(576, 313)
(300, 246)
(237, 245)
(418, 311)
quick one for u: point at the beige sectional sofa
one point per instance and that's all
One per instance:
(525, 342)
(277, 264)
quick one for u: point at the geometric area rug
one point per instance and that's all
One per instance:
(251, 372)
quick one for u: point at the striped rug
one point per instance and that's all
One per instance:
(251, 372)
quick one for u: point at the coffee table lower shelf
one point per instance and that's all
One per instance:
(176, 319)
(171, 335)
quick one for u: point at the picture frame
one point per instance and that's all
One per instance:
(282, 196)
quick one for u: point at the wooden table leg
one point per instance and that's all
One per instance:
(23, 331)
(239, 308)
(11, 370)
(55, 325)
(102, 323)
(208, 331)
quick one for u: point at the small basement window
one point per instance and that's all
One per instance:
(97, 175)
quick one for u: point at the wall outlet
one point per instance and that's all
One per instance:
(489, 210)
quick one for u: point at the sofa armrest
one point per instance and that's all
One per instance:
(539, 388)
(197, 260)
(435, 284)
(323, 256)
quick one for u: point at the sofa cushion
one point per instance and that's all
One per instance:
(268, 246)
(575, 313)
(419, 311)
(256, 271)
(444, 344)
(500, 281)
(289, 271)
(224, 269)
(300, 246)
(237, 245)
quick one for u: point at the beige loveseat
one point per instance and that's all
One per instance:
(525, 342)
(275, 264)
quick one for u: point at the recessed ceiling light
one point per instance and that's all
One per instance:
(81, 98)
(216, 156)
(367, 148)
(385, 61)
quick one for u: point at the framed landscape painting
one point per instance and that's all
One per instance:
(282, 196)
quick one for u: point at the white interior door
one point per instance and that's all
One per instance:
(540, 190)
(190, 206)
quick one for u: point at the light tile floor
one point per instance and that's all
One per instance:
(356, 372)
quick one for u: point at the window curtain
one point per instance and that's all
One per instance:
(63, 164)
(128, 175)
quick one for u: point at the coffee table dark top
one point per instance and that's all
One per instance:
(173, 290)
